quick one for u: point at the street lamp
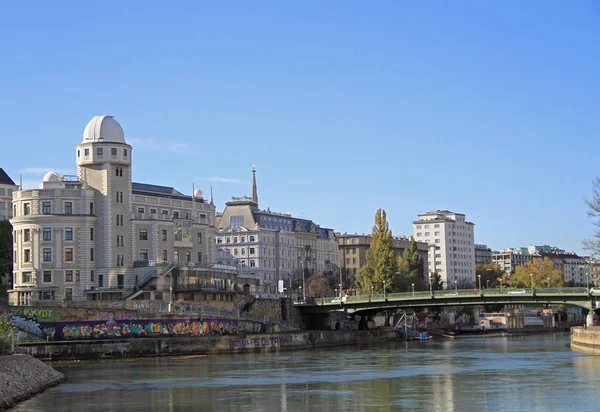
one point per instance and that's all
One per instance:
(456, 287)
(487, 284)
(371, 292)
(340, 270)
(384, 297)
(531, 276)
(171, 298)
(479, 276)
(431, 283)
(500, 285)
(413, 289)
(548, 281)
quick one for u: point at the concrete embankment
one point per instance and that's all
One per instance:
(171, 346)
(586, 339)
(22, 376)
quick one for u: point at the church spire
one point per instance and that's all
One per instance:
(254, 192)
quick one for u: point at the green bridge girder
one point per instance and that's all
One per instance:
(363, 304)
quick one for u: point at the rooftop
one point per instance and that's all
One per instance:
(5, 179)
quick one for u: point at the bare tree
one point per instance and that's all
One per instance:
(593, 244)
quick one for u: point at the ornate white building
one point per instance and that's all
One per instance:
(272, 247)
(77, 237)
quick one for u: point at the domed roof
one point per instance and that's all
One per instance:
(51, 177)
(198, 194)
(103, 129)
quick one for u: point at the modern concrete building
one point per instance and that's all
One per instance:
(7, 187)
(80, 237)
(536, 250)
(353, 251)
(509, 259)
(483, 255)
(271, 247)
(452, 237)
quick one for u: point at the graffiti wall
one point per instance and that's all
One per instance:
(34, 325)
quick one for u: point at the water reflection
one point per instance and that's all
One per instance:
(532, 373)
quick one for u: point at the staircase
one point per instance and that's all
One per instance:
(154, 273)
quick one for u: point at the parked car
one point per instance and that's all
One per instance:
(338, 300)
(517, 292)
(595, 290)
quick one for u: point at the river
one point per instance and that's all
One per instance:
(533, 373)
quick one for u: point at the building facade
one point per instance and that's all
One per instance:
(270, 247)
(453, 251)
(78, 237)
(353, 251)
(509, 259)
(483, 255)
(7, 187)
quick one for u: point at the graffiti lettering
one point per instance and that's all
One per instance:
(275, 341)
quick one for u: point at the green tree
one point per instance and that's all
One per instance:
(436, 281)
(543, 271)
(381, 261)
(414, 261)
(6, 330)
(490, 275)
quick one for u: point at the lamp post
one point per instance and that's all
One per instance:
(413, 289)
(548, 281)
(384, 292)
(479, 276)
(302, 293)
(171, 298)
(531, 276)
(500, 285)
(487, 284)
(431, 283)
(371, 292)
(456, 287)
(340, 270)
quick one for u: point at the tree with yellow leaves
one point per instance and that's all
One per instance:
(541, 272)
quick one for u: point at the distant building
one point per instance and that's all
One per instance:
(509, 259)
(576, 269)
(536, 250)
(7, 187)
(269, 247)
(483, 255)
(95, 235)
(353, 251)
(453, 238)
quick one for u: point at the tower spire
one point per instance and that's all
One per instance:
(254, 191)
(211, 197)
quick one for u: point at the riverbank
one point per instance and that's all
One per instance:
(201, 345)
(586, 339)
(22, 377)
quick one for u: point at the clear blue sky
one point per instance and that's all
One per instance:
(486, 108)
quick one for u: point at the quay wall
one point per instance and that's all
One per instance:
(190, 345)
(586, 339)
(22, 376)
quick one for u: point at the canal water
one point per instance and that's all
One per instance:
(533, 373)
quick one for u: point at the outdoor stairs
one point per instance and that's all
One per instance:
(154, 273)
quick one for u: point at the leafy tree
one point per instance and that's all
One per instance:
(381, 261)
(317, 286)
(541, 269)
(414, 261)
(490, 274)
(436, 281)
(6, 330)
(407, 278)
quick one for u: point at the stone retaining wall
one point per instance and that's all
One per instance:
(586, 340)
(22, 376)
(172, 346)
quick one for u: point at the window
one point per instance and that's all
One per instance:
(92, 254)
(27, 235)
(252, 263)
(100, 281)
(120, 281)
(26, 208)
(47, 234)
(251, 238)
(69, 233)
(26, 255)
(68, 294)
(188, 256)
(436, 225)
(236, 221)
(436, 233)
(176, 256)
(437, 241)
(99, 152)
(219, 240)
(199, 237)
(144, 254)
(419, 234)
(199, 257)
(69, 254)
(175, 215)
(91, 233)
(91, 209)
(46, 208)
(427, 233)
(164, 234)
(47, 276)
(68, 276)
(235, 239)
(143, 234)
(251, 250)
(68, 208)
(26, 277)
(228, 240)
(202, 216)
(47, 254)
(113, 151)
(165, 256)
(165, 212)
(153, 211)
(92, 276)
(141, 210)
(86, 152)
(124, 152)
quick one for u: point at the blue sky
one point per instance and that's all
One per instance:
(485, 108)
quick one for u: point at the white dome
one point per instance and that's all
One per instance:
(198, 194)
(103, 129)
(51, 177)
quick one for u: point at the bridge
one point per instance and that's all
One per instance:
(369, 304)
